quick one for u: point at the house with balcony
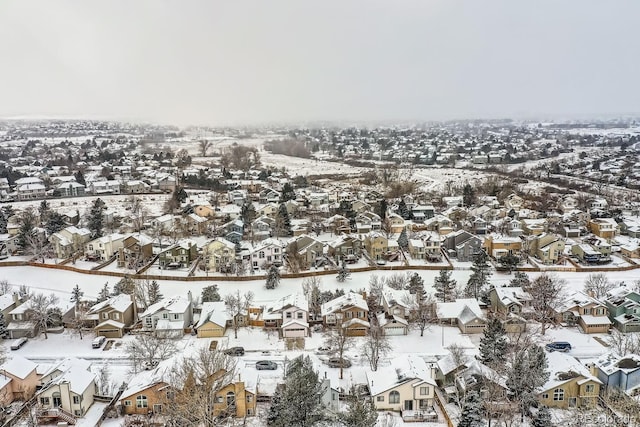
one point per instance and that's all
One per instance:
(290, 315)
(306, 249)
(70, 189)
(407, 386)
(349, 311)
(345, 248)
(606, 228)
(546, 247)
(136, 251)
(589, 254)
(180, 255)
(570, 384)
(169, 317)
(69, 241)
(498, 246)
(588, 313)
(219, 255)
(147, 392)
(110, 318)
(67, 395)
(105, 247)
(376, 245)
(268, 252)
(19, 379)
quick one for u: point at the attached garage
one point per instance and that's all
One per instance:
(110, 329)
(295, 329)
(395, 325)
(356, 328)
(210, 330)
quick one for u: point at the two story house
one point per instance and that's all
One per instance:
(218, 255)
(570, 384)
(290, 315)
(606, 228)
(180, 255)
(19, 380)
(169, 317)
(462, 245)
(105, 247)
(345, 248)
(111, 317)
(376, 245)
(587, 312)
(619, 372)
(268, 252)
(69, 240)
(624, 309)
(349, 311)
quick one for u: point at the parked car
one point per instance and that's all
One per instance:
(558, 346)
(16, 344)
(149, 364)
(235, 351)
(266, 365)
(336, 362)
(323, 349)
(98, 341)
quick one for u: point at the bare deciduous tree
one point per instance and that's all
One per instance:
(623, 344)
(598, 285)
(237, 305)
(40, 311)
(546, 295)
(5, 287)
(376, 346)
(422, 310)
(147, 350)
(337, 339)
(203, 146)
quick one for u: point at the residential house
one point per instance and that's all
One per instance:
(462, 245)
(147, 392)
(180, 255)
(19, 380)
(396, 223)
(624, 309)
(465, 313)
(306, 249)
(105, 187)
(546, 247)
(588, 313)
(8, 302)
(345, 248)
(233, 230)
(376, 245)
(69, 240)
(262, 227)
(498, 246)
(349, 311)
(421, 213)
(337, 224)
(513, 201)
(534, 227)
(167, 183)
(20, 325)
(606, 228)
(111, 317)
(194, 224)
(290, 314)
(570, 384)
(237, 399)
(405, 385)
(136, 251)
(268, 252)
(270, 210)
(589, 254)
(619, 372)
(479, 226)
(136, 187)
(71, 393)
(31, 191)
(393, 325)
(432, 246)
(630, 250)
(70, 189)
(219, 255)
(416, 249)
(212, 320)
(269, 196)
(169, 317)
(204, 211)
(507, 300)
(105, 247)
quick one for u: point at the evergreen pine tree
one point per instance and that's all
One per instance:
(44, 211)
(299, 403)
(468, 195)
(154, 293)
(3, 326)
(125, 285)
(248, 213)
(3, 222)
(471, 411)
(445, 287)
(526, 373)
(283, 223)
(361, 412)
(403, 210)
(343, 272)
(273, 277)
(96, 220)
(55, 223)
(383, 209)
(416, 284)
(76, 295)
(80, 178)
(480, 273)
(287, 193)
(104, 293)
(542, 418)
(493, 344)
(210, 294)
(403, 241)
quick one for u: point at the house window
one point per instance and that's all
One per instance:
(288, 315)
(299, 315)
(142, 402)
(558, 394)
(380, 399)
(44, 401)
(77, 413)
(127, 403)
(394, 397)
(276, 250)
(249, 398)
(219, 399)
(176, 317)
(424, 391)
(255, 263)
(165, 315)
(249, 411)
(545, 395)
(261, 254)
(105, 315)
(590, 388)
(116, 316)
(171, 395)
(76, 400)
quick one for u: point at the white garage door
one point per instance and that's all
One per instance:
(294, 332)
(394, 331)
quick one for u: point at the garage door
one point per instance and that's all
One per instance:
(394, 331)
(110, 333)
(295, 332)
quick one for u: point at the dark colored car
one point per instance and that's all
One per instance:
(266, 365)
(235, 351)
(558, 346)
(336, 362)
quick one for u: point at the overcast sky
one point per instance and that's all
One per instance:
(236, 62)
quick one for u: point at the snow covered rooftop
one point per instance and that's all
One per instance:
(19, 367)
(402, 369)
